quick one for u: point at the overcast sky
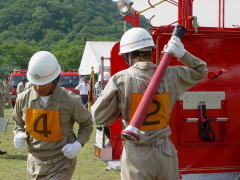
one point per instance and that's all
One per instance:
(205, 10)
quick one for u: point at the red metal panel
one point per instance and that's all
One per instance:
(219, 50)
(117, 64)
(115, 139)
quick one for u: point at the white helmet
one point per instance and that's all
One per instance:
(106, 76)
(136, 39)
(43, 68)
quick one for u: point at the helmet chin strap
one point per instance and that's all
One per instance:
(127, 59)
(55, 82)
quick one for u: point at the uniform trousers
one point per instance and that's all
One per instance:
(54, 169)
(1, 107)
(84, 99)
(155, 161)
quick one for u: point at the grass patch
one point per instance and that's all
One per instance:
(13, 164)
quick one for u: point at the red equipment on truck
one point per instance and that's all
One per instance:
(15, 78)
(205, 121)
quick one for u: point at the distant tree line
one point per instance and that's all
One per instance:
(59, 26)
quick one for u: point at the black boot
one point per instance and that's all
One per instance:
(3, 152)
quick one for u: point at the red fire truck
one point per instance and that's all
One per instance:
(216, 98)
(69, 80)
(15, 78)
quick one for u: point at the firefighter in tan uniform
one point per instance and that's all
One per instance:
(7, 92)
(45, 115)
(1, 107)
(154, 157)
(1, 99)
(27, 86)
(21, 85)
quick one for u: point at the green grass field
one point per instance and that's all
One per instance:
(13, 164)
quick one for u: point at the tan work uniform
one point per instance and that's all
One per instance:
(27, 85)
(1, 99)
(20, 87)
(7, 94)
(45, 159)
(154, 156)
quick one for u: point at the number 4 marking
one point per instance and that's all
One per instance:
(45, 130)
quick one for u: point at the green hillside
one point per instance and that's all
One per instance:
(59, 26)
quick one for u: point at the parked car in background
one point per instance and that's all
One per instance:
(69, 80)
(15, 78)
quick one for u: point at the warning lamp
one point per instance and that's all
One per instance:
(125, 6)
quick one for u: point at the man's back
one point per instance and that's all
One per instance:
(20, 87)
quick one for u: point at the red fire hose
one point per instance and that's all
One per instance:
(131, 133)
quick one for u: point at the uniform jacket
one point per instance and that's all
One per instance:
(7, 89)
(20, 87)
(1, 99)
(116, 96)
(71, 110)
(1, 89)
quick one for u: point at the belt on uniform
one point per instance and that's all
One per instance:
(50, 161)
(156, 143)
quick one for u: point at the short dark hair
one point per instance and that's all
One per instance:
(141, 54)
(24, 78)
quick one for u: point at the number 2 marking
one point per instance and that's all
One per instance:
(155, 111)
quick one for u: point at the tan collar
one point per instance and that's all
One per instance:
(56, 96)
(144, 65)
